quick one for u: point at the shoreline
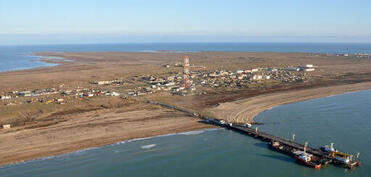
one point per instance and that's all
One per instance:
(186, 133)
(197, 125)
(245, 110)
(40, 129)
(46, 62)
(96, 129)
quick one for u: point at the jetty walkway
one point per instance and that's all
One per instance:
(286, 146)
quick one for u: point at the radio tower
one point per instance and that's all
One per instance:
(187, 82)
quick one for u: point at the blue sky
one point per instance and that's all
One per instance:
(97, 21)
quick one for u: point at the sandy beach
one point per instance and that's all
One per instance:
(245, 110)
(92, 129)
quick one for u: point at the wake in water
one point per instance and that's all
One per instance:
(148, 146)
(196, 132)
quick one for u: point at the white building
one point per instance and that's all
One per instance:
(5, 97)
(257, 77)
(115, 94)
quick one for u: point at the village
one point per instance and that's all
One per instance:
(180, 83)
(53, 95)
(225, 79)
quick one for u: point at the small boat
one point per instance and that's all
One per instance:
(306, 159)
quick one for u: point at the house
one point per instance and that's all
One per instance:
(103, 82)
(59, 100)
(255, 70)
(308, 67)
(6, 126)
(239, 72)
(292, 69)
(25, 93)
(257, 77)
(115, 94)
(5, 97)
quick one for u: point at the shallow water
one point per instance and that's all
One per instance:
(342, 119)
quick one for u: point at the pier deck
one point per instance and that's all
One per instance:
(268, 137)
(324, 157)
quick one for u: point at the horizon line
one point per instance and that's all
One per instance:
(195, 42)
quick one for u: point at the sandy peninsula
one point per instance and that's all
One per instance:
(42, 126)
(245, 110)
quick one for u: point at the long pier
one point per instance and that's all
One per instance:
(286, 146)
(268, 137)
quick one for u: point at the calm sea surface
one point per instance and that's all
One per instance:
(19, 57)
(342, 119)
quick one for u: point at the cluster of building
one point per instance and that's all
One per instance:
(89, 92)
(173, 83)
(220, 78)
(358, 55)
(77, 93)
(177, 83)
(29, 93)
(181, 65)
(243, 78)
(110, 82)
(362, 55)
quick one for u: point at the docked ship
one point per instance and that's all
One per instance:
(340, 158)
(345, 160)
(307, 159)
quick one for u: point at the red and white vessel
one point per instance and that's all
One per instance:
(306, 159)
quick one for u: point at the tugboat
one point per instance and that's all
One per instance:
(306, 159)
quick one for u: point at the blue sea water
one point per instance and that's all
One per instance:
(342, 119)
(19, 57)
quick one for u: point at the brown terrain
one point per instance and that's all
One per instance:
(40, 130)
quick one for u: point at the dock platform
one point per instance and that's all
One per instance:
(284, 145)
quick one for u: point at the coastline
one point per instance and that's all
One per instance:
(42, 130)
(245, 110)
(186, 133)
(45, 62)
(186, 124)
(90, 130)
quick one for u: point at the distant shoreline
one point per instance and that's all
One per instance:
(190, 47)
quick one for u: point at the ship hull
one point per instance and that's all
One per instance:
(309, 164)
